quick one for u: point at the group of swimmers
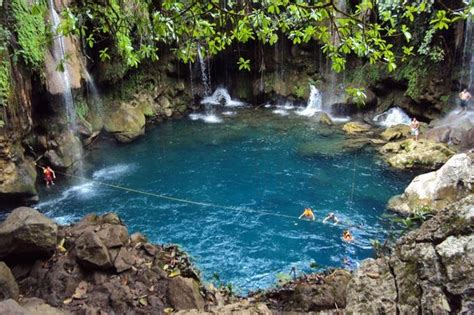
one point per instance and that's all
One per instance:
(309, 215)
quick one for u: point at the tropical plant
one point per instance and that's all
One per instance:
(369, 29)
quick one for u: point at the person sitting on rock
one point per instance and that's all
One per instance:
(415, 128)
(331, 217)
(48, 175)
(308, 214)
(346, 236)
(465, 97)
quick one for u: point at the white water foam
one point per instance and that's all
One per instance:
(84, 191)
(229, 113)
(221, 97)
(315, 103)
(208, 118)
(394, 116)
(113, 172)
(280, 112)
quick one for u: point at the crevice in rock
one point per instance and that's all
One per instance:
(392, 272)
(454, 300)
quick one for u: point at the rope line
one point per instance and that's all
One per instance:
(351, 201)
(198, 203)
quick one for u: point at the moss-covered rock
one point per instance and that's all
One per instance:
(125, 123)
(395, 132)
(410, 154)
(354, 127)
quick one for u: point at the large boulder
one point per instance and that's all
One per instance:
(183, 293)
(436, 190)
(29, 307)
(26, 233)
(395, 132)
(8, 286)
(411, 154)
(91, 251)
(456, 128)
(354, 128)
(126, 122)
(65, 150)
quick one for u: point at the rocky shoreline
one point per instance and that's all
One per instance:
(96, 267)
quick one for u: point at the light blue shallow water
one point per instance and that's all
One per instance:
(253, 161)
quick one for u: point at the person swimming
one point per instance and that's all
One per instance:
(331, 217)
(307, 214)
(346, 236)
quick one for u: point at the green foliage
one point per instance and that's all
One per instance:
(4, 81)
(4, 68)
(282, 278)
(357, 95)
(82, 109)
(31, 30)
(139, 27)
(415, 72)
(225, 288)
(244, 64)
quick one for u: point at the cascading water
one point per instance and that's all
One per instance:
(220, 97)
(394, 116)
(204, 74)
(59, 55)
(315, 103)
(93, 93)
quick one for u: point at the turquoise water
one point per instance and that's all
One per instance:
(266, 168)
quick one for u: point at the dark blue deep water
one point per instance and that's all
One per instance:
(265, 168)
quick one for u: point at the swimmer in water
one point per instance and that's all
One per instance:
(307, 214)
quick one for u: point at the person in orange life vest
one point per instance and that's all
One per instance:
(308, 214)
(347, 237)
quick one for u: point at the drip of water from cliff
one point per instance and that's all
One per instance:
(204, 74)
(467, 56)
(394, 116)
(59, 55)
(93, 93)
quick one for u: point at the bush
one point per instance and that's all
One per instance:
(31, 30)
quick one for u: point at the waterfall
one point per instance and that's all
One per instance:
(394, 116)
(221, 96)
(59, 55)
(315, 103)
(93, 93)
(204, 73)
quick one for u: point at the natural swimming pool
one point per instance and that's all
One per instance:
(260, 170)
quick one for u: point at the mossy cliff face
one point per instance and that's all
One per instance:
(17, 178)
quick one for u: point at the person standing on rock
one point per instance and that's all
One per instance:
(415, 128)
(465, 97)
